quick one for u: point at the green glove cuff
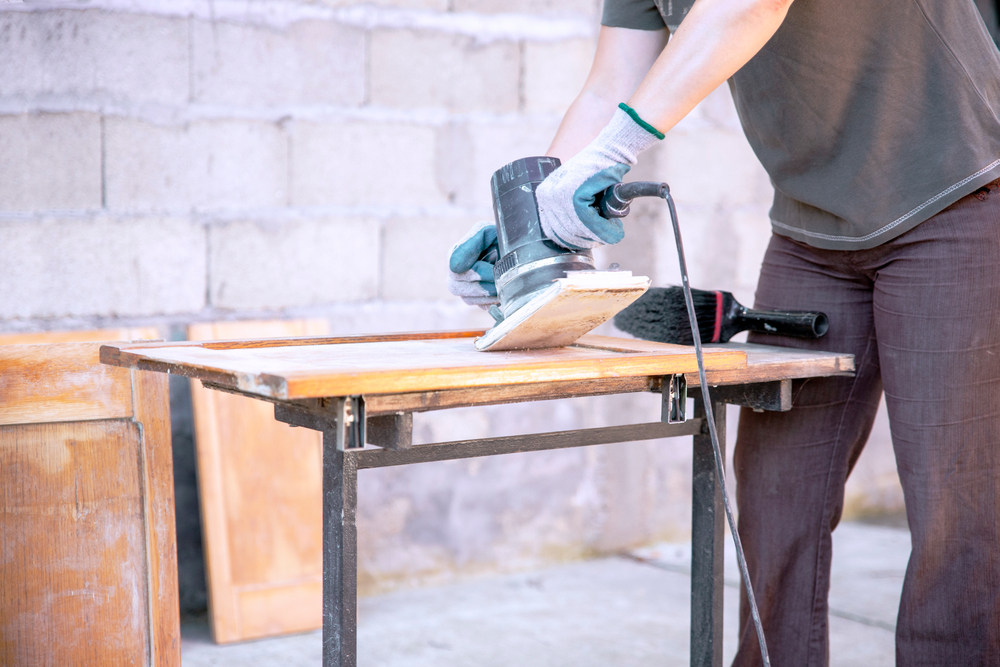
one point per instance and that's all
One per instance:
(643, 124)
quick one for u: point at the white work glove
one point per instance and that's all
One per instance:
(471, 265)
(567, 197)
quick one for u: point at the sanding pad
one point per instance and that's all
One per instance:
(564, 311)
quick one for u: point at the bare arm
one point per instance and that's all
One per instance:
(715, 40)
(623, 57)
(664, 82)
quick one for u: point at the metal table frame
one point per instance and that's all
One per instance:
(346, 427)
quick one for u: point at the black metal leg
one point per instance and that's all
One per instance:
(340, 555)
(707, 544)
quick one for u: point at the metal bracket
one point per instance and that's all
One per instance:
(349, 431)
(674, 393)
(344, 417)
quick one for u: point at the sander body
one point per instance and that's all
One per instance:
(528, 262)
(549, 295)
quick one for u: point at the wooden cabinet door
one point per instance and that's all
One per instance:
(260, 483)
(88, 569)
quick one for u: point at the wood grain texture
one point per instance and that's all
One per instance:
(564, 311)
(766, 363)
(72, 582)
(152, 411)
(78, 336)
(260, 485)
(396, 366)
(88, 567)
(63, 381)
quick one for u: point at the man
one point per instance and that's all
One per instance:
(877, 121)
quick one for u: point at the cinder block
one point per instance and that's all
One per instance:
(296, 263)
(415, 257)
(116, 56)
(61, 267)
(554, 73)
(752, 228)
(713, 167)
(202, 165)
(311, 62)
(50, 161)
(431, 69)
(363, 163)
(469, 153)
(589, 7)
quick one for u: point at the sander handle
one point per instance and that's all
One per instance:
(614, 202)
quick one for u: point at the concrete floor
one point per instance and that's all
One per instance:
(627, 610)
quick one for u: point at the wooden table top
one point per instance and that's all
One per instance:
(289, 369)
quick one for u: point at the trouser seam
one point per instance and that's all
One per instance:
(825, 516)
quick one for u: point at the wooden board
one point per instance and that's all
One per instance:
(81, 336)
(89, 569)
(564, 311)
(260, 489)
(64, 382)
(764, 364)
(347, 368)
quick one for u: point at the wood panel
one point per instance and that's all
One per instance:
(260, 485)
(64, 381)
(78, 336)
(88, 567)
(397, 366)
(764, 364)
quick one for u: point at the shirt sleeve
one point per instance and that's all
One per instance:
(635, 14)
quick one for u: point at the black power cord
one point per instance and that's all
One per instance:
(614, 203)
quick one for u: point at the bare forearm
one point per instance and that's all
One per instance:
(623, 57)
(583, 120)
(715, 40)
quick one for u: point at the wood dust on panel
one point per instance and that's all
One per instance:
(73, 571)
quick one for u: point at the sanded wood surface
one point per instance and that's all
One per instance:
(64, 381)
(566, 310)
(260, 489)
(349, 368)
(764, 364)
(88, 574)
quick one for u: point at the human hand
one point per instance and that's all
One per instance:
(471, 265)
(567, 197)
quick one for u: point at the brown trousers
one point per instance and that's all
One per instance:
(921, 314)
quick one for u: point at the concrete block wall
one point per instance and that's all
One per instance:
(168, 162)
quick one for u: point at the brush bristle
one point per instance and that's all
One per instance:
(661, 315)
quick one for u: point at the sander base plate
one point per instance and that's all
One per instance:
(567, 309)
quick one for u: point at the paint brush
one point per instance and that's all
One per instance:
(661, 315)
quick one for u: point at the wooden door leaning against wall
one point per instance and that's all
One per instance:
(88, 573)
(260, 485)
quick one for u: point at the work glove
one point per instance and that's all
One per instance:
(567, 197)
(471, 266)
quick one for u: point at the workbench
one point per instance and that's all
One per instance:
(361, 392)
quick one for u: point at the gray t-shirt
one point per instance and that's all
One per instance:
(869, 116)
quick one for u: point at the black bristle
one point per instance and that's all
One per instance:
(661, 315)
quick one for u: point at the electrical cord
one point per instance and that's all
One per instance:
(710, 416)
(614, 203)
